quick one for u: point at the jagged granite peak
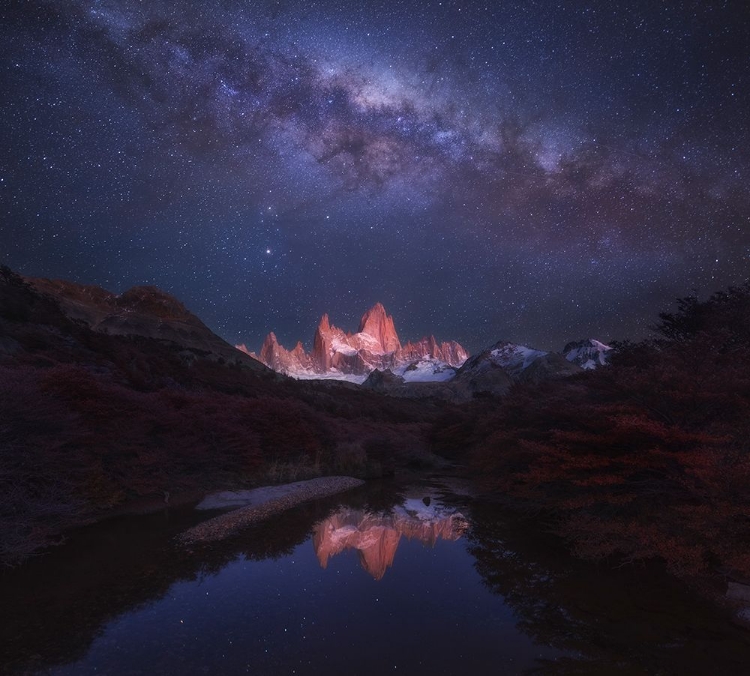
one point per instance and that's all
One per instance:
(275, 356)
(378, 324)
(588, 353)
(324, 325)
(144, 311)
(321, 352)
(376, 345)
(328, 342)
(449, 352)
(270, 348)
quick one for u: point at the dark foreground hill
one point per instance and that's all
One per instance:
(110, 403)
(144, 311)
(646, 458)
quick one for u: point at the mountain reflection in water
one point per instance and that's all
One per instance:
(376, 536)
(496, 593)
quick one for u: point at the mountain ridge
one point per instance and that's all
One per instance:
(375, 345)
(145, 311)
(494, 370)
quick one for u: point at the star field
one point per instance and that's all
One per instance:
(529, 171)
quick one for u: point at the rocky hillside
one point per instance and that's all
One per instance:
(144, 311)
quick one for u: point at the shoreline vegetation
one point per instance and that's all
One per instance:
(96, 424)
(645, 459)
(263, 507)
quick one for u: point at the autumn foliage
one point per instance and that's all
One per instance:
(647, 458)
(92, 423)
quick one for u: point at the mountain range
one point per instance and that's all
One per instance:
(352, 356)
(493, 371)
(373, 356)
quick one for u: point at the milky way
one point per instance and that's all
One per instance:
(530, 171)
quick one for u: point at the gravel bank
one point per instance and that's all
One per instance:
(227, 524)
(227, 500)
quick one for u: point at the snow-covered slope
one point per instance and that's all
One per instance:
(588, 354)
(425, 370)
(514, 358)
(333, 374)
(492, 372)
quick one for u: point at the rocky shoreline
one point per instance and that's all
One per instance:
(223, 526)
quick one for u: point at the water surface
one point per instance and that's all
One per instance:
(387, 579)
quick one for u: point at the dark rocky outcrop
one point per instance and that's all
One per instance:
(144, 311)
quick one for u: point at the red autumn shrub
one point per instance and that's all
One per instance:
(647, 458)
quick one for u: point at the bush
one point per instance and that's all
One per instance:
(647, 458)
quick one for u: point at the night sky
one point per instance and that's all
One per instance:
(529, 171)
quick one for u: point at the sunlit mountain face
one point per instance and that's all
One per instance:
(352, 356)
(376, 536)
(487, 171)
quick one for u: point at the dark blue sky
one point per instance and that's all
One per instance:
(529, 171)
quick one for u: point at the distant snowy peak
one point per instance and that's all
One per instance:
(376, 345)
(514, 358)
(490, 373)
(588, 354)
(495, 369)
(517, 359)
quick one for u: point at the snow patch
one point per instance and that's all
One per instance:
(329, 375)
(588, 354)
(338, 345)
(370, 342)
(426, 370)
(515, 357)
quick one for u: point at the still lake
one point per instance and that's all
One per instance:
(410, 578)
